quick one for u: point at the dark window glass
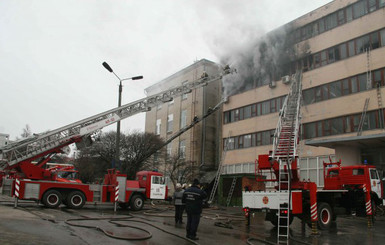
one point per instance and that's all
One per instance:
(382, 35)
(341, 17)
(372, 5)
(362, 44)
(227, 117)
(326, 128)
(351, 48)
(374, 41)
(325, 91)
(343, 51)
(259, 139)
(259, 105)
(319, 129)
(337, 55)
(323, 58)
(331, 57)
(315, 28)
(318, 94)
(337, 126)
(266, 138)
(317, 60)
(253, 139)
(321, 25)
(272, 106)
(335, 89)
(362, 82)
(356, 122)
(354, 84)
(348, 125)
(345, 87)
(349, 13)
(265, 107)
(376, 78)
(310, 130)
(247, 141)
(247, 112)
(254, 110)
(308, 96)
(359, 9)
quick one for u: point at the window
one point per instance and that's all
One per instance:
(170, 119)
(359, 9)
(373, 174)
(169, 149)
(341, 17)
(349, 13)
(182, 149)
(381, 3)
(158, 125)
(308, 96)
(230, 143)
(345, 87)
(382, 35)
(362, 44)
(183, 118)
(358, 171)
(343, 51)
(351, 48)
(354, 84)
(362, 82)
(337, 126)
(265, 107)
(310, 131)
(372, 5)
(247, 112)
(317, 60)
(247, 141)
(374, 41)
(335, 90)
(321, 25)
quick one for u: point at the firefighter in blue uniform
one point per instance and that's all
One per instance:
(193, 198)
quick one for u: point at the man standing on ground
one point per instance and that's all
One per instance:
(193, 198)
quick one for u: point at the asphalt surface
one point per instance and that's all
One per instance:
(93, 225)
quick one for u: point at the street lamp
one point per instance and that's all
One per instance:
(119, 104)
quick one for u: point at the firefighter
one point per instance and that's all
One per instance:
(193, 198)
(178, 203)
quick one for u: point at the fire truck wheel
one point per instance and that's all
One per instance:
(137, 202)
(325, 216)
(75, 200)
(52, 199)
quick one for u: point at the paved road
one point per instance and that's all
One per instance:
(33, 224)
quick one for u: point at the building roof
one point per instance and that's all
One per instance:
(363, 142)
(177, 74)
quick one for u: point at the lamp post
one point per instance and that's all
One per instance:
(119, 104)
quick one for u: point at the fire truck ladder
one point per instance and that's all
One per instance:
(40, 145)
(363, 117)
(220, 170)
(231, 191)
(285, 150)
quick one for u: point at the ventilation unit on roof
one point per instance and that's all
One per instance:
(272, 84)
(286, 79)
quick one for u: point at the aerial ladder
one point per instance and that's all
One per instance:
(42, 147)
(283, 157)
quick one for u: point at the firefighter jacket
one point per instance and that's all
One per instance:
(177, 197)
(193, 197)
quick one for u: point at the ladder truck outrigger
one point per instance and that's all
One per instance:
(24, 175)
(347, 189)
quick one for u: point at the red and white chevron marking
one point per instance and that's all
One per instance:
(17, 188)
(313, 212)
(364, 188)
(116, 193)
(368, 207)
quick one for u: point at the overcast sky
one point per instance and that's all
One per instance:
(51, 51)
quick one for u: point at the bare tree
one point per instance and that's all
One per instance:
(135, 151)
(179, 170)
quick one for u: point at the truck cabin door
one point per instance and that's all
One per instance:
(158, 187)
(375, 182)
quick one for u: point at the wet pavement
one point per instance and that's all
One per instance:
(34, 224)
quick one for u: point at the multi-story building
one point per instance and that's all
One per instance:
(340, 49)
(199, 146)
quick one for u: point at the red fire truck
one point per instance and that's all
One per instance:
(348, 189)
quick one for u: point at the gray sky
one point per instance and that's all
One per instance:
(51, 51)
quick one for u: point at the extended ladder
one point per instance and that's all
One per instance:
(363, 117)
(40, 145)
(220, 170)
(380, 107)
(285, 150)
(231, 191)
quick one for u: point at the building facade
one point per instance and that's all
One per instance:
(340, 49)
(199, 147)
